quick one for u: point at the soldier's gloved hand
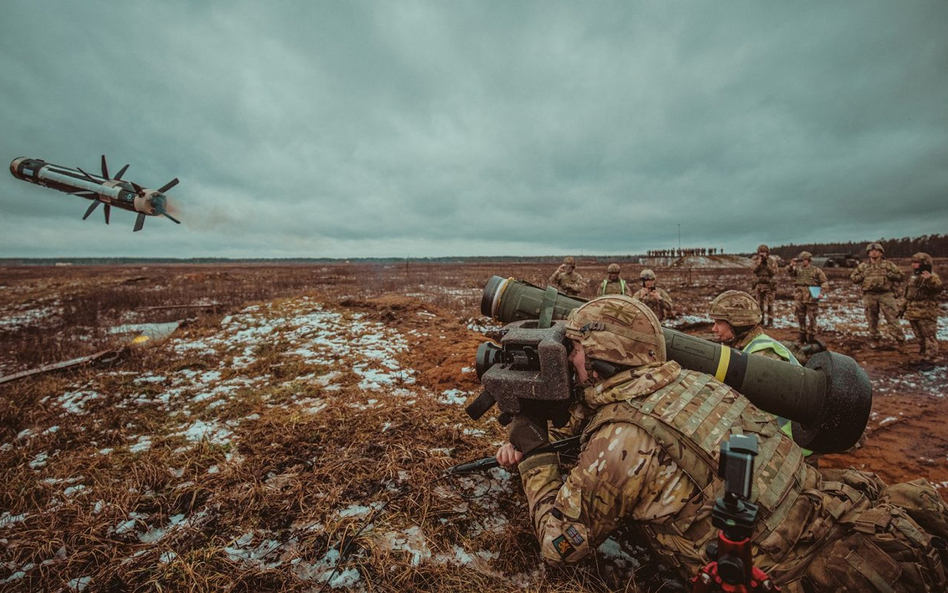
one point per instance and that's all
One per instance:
(527, 433)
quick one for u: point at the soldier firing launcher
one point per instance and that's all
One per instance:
(828, 401)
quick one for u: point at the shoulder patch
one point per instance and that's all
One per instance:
(563, 547)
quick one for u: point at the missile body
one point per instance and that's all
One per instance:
(103, 189)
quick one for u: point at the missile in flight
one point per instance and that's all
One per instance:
(111, 191)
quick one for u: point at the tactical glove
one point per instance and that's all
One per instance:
(527, 433)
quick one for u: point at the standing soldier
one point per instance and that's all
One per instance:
(613, 284)
(657, 299)
(566, 279)
(878, 277)
(808, 281)
(921, 305)
(765, 268)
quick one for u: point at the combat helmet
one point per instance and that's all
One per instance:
(805, 255)
(647, 274)
(763, 247)
(878, 246)
(617, 329)
(613, 269)
(923, 258)
(736, 307)
(569, 260)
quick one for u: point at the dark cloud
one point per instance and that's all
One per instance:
(426, 128)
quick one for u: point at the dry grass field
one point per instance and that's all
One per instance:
(293, 432)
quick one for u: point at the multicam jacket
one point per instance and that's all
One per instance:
(655, 436)
(877, 277)
(650, 455)
(571, 283)
(922, 297)
(764, 270)
(658, 300)
(803, 278)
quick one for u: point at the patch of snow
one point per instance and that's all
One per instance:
(74, 402)
(453, 397)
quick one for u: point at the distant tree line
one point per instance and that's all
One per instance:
(934, 245)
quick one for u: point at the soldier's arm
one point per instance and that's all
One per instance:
(820, 277)
(893, 272)
(666, 301)
(772, 264)
(572, 519)
(554, 279)
(858, 274)
(933, 282)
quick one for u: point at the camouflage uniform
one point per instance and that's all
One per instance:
(922, 310)
(650, 456)
(658, 300)
(877, 281)
(764, 271)
(807, 308)
(570, 283)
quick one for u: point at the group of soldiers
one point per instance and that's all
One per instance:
(651, 431)
(878, 278)
(683, 252)
(568, 281)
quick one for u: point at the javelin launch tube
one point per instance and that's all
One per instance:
(828, 401)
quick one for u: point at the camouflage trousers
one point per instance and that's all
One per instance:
(806, 317)
(926, 332)
(875, 302)
(765, 298)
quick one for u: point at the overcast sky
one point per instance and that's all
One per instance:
(348, 129)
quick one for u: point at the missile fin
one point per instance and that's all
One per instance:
(168, 185)
(84, 194)
(139, 222)
(118, 176)
(89, 177)
(108, 210)
(91, 209)
(172, 218)
(105, 168)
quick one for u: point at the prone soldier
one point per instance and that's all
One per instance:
(656, 298)
(765, 268)
(806, 276)
(877, 278)
(613, 284)
(566, 279)
(648, 456)
(922, 293)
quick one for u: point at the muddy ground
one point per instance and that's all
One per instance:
(299, 404)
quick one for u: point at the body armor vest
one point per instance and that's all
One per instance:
(689, 418)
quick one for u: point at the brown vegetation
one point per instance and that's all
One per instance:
(311, 410)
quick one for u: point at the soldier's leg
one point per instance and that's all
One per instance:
(762, 303)
(929, 337)
(871, 304)
(885, 551)
(919, 334)
(770, 308)
(890, 310)
(800, 310)
(812, 314)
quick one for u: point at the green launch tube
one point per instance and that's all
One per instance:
(828, 400)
